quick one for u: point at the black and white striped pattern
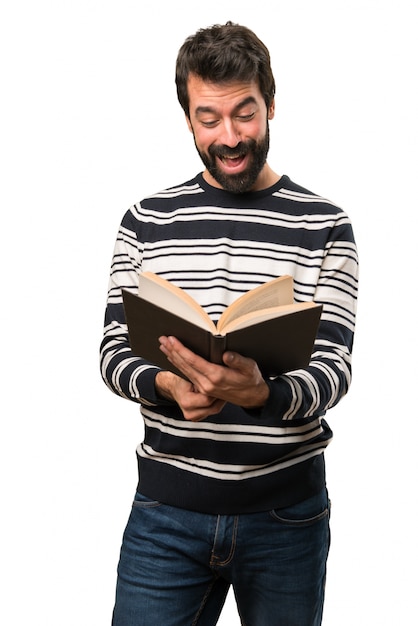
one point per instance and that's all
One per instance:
(216, 246)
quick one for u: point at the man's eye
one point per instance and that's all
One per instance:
(246, 118)
(209, 123)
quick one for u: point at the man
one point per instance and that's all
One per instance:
(231, 470)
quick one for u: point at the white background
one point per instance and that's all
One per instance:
(89, 125)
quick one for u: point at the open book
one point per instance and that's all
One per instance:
(264, 324)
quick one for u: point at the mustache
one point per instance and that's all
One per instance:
(226, 152)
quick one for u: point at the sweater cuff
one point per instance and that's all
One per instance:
(280, 397)
(277, 403)
(147, 389)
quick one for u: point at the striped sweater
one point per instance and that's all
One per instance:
(217, 245)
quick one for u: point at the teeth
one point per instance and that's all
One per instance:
(233, 158)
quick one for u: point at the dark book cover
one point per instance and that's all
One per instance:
(278, 345)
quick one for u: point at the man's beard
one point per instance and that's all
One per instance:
(244, 181)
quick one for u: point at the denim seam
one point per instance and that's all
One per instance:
(300, 522)
(204, 600)
(214, 561)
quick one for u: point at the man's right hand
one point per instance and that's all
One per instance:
(194, 405)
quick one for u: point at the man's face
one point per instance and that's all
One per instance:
(229, 123)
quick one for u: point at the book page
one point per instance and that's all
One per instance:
(274, 293)
(164, 294)
(255, 317)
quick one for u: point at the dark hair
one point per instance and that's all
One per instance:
(221, 54)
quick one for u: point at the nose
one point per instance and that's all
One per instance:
(229, 135)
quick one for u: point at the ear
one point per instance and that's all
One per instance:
(271, 110)
(189, 124)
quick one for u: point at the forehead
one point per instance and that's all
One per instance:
(216, 96)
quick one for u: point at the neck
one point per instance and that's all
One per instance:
(267, 178)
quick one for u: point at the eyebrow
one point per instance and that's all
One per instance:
(240, 105)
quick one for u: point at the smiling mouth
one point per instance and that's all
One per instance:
(234, 161)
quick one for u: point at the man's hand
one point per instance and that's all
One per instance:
(194, 405)
(239, 381)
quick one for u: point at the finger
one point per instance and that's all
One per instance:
(196, 413)
(215, 408)
(184, 359)
(236, 361)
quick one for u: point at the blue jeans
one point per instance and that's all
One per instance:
(176, 566)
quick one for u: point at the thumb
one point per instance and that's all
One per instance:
(235, 360)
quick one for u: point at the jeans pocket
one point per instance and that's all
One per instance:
(143, 502)
(304, 513)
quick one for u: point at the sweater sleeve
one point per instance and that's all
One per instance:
(124, 373)
(312, 391)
